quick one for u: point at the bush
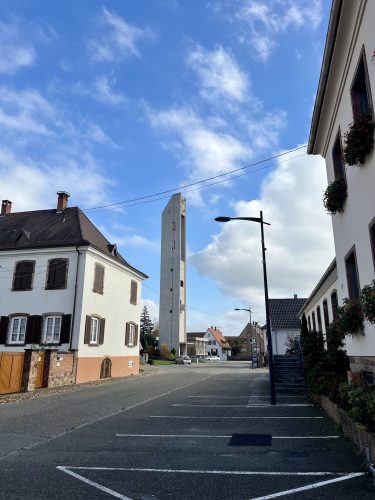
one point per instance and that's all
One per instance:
(359, 140)
(335, 195)
(350, 317)
(368, 302)
(359, 402)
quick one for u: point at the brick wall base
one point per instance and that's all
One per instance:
(60, 368)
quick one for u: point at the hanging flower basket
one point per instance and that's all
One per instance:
(351, 317)
(368, 302)
(335, 195)
(359, 140)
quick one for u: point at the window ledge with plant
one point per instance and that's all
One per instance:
(359, 140)
(335, 195)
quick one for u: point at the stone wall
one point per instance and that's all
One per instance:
(30, 367)
(59, 369)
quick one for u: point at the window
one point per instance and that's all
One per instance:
(338, 158)
(133, 292)
(309, 320)
(131, 334)
(372, 241)
(52, 329)
(313, 321)
(94, 330)
(23, 275)
(352, 275)
(360, 92)
(183, 238)
(325, 314)
(57, 273)
(334, 304)
(17, 330)
(319, 317)
(98, 279)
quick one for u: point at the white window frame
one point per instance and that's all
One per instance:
(21, 320)
(53, 321)
(94, 330)
(131, 334)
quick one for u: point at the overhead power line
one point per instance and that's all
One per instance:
(184, 186)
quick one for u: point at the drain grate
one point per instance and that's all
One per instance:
(251, 440)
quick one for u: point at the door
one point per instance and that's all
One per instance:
(11, 369)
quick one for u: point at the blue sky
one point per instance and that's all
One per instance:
(115, 100)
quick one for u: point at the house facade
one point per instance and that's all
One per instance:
(69, 302)
(284, 322)
(345, 96)
(252, 344)
(217, 344)
(196, 344)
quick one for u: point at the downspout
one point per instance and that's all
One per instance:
(75, 298)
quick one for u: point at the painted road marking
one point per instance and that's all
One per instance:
(311, 486)
(266, 396)
(222, 418)
(241, 406)
(204, 436)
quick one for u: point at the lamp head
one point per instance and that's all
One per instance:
(223, 219)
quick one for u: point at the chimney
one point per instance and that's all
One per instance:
(6, 207)
(295, 295)
(62, 200)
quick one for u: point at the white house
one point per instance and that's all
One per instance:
(69, 302)
(284, 322)
(345, 94)
(217, 344)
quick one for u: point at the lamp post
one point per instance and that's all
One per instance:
(260, 221)
(252, 355)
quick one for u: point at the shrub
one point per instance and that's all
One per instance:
(368, 302)
(359, 140)
(359, 402)
(335, 195)
(351, 317)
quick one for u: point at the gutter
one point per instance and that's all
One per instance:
(330, 44)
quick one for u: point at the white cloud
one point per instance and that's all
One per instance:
(153, 309)
(101, 90)
(299, 241)
(117, 39)
(219, 74)
(125, 236)
(15, 53)
(261, 22)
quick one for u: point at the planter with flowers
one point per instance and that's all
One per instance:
(351, 317)
(335, 195)
(359, 140)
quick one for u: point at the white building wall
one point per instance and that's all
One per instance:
(279, 338)
(352, 226)
(172, 310)
(37, 301)
(113, 305)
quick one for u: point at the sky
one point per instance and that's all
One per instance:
(124, 100)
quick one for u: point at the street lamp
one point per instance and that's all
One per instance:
(248, 310)
(269, 338)
(250, 338)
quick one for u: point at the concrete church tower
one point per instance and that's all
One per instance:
(172, 311)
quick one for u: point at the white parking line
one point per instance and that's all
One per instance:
(241, 406)
(310, 486)
(222, 418)
(205, 436)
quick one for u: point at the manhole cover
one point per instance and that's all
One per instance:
(251, 440)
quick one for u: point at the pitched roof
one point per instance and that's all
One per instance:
(49, 228)
(284, 313)
(219, 338)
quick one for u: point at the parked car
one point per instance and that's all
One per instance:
(213, 358)
(183, 360)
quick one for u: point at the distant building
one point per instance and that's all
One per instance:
(345, 95)
(217, 344)
(70, 303)
(284, 321)
(172, 309)
(252, 344)
(197, 344)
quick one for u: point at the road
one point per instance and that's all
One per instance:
(200, 431)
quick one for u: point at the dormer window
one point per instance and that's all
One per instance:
(360, 92)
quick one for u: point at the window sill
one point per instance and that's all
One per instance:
(14, 344)
(97, 291)
(56, 287)
(21, 289)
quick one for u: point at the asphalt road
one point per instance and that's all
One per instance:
(200, 431)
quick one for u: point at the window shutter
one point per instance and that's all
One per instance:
(136, 335)
(4, 322)
(133, 292)
(29, 330)
(127, 334)
(60, 273)
(51, 274)
(101, 331)
(35, 329)
(87, 330)
(65, 328)
(17, 282)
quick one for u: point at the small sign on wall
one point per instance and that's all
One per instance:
(130, 363)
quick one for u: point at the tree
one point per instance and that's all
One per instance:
(146, 328)
(236, 346)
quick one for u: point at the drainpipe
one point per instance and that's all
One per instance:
(75, 298)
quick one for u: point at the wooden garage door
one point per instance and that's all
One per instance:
(11, 368)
